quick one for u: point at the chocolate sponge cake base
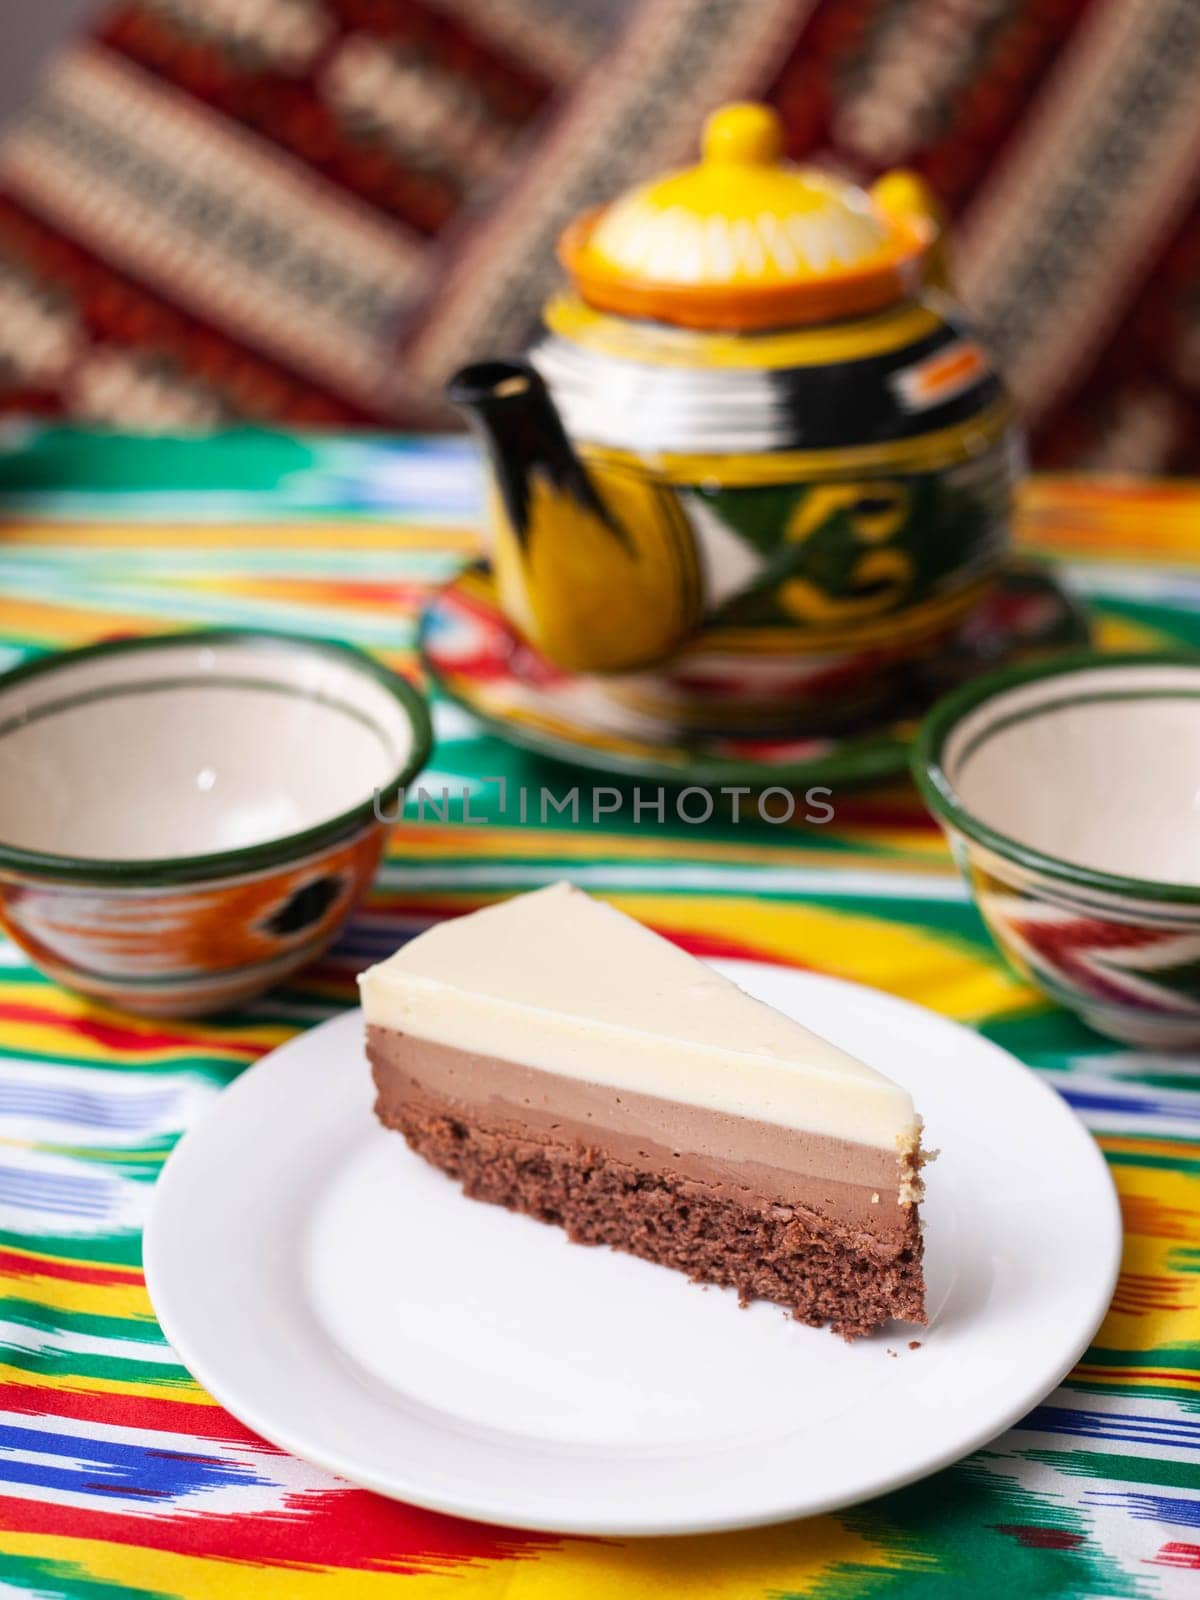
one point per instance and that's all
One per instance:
(821, 1270)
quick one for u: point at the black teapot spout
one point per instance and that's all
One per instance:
(594, 566)
(510, 407)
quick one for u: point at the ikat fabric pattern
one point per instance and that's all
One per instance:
(120, 1477)
(314, 210)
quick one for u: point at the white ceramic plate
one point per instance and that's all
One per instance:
(345, 1301)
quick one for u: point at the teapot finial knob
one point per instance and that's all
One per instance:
(745, 133)
(906, 197)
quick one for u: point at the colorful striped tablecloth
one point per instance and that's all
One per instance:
(119, 1476)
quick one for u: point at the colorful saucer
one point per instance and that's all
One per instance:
(476, 657)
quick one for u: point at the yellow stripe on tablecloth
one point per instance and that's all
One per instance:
(412, 841)
(1146, 520)
(1156, 1303)
(73, 1017)
(61, 626)
(917, 849)
(793, 1556)
(1121, 633)
(128, 1301)
(142, 1569)
(58, 1037)
(184, 1390)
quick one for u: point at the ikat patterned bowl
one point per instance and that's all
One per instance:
(185, 819)
(1070, 794)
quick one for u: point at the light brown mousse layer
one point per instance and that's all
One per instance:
(725, 1157)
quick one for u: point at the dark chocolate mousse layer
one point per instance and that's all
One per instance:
(811, 1222)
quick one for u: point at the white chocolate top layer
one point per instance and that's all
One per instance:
(559, 981)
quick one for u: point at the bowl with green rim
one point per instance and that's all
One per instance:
(1069, 791)
(187, 818)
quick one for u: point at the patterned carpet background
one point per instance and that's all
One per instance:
(310, 212)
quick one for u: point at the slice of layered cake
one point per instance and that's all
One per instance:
(558, 1058)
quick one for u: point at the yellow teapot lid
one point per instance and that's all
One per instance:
(746, 240)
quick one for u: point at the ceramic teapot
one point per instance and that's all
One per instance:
(753, 425)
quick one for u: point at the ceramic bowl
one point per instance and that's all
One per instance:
(185, 819)
(1070, 793)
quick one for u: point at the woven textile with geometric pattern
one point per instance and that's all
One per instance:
(314, 210)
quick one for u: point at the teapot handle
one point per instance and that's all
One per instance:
(906, 196)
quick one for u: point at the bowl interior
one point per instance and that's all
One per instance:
(191, 748)
(1099, 767)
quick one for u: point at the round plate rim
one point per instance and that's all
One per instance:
(584, 1525)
